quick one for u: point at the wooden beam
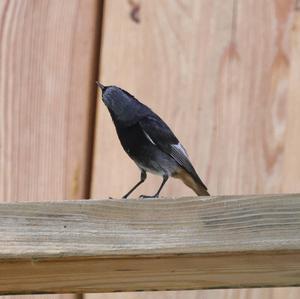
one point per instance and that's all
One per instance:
(163, 244)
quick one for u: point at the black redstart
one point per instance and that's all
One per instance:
(148, 141)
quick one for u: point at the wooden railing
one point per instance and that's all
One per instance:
(161, 244)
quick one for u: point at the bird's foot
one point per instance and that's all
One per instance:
(149, 196)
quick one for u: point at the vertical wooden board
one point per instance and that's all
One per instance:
(288, 293)
(163, 61)
(252, 100)
(222, 74)
(292, 145)
(48, 66)
(48, 51)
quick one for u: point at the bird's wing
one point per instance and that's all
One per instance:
(161, 135)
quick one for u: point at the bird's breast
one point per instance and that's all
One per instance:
(133, 140)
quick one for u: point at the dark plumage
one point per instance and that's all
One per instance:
(148, 141)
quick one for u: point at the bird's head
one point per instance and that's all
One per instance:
(117, 100)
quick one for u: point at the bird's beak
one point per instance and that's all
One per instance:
(101, 86)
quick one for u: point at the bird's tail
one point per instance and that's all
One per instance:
(193, 182)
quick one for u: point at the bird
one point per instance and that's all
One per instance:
(149, 141)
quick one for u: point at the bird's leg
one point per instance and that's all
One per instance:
(165, 178)
(142, 180)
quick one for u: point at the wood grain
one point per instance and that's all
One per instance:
(175, 95)
(163, 244)
(47, 55)
(47, 73)
(224, 75)
(143, 274)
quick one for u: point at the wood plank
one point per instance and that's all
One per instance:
(162, 244)
(47, 71)
(224, 75)
(292, 145)
(265, 293)
(146, 274)
(138, 68)
(48, 51)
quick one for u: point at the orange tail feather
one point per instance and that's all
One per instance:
(188, 180)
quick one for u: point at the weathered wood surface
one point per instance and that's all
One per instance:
(162, 244)
(225, 77)
(48, 67)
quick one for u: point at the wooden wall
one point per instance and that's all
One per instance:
(223, 74)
